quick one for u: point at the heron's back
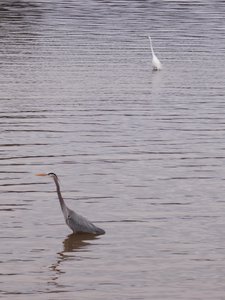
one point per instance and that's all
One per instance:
(80, 224)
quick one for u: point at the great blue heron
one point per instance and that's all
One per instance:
(155, 61)
(76, 222)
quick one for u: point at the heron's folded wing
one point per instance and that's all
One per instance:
(80, 224)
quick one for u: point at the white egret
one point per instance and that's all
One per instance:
(155, 61)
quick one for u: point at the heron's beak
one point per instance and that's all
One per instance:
(41, 174)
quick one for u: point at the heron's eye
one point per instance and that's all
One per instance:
(53, 175)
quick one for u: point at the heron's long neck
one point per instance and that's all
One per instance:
(151, 45)
(61, 201)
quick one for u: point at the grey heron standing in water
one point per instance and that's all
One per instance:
(76, 222)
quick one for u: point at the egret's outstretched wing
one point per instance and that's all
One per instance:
(80, 224)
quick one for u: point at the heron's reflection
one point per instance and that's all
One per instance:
(73, 243)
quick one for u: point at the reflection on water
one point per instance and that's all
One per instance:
(79, 98)
(72, 244)
(76, 241)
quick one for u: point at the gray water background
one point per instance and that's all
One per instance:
(139, 153)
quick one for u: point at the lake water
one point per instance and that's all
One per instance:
(139, 153)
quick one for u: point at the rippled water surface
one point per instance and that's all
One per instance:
(139, 153)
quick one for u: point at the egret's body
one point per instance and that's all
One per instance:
(155, 61)
(76, 222)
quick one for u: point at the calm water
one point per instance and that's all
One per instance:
(139, 153)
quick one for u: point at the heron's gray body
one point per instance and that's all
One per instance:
(80, 224)
(76, 222)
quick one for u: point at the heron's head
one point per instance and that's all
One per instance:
(53, 175)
